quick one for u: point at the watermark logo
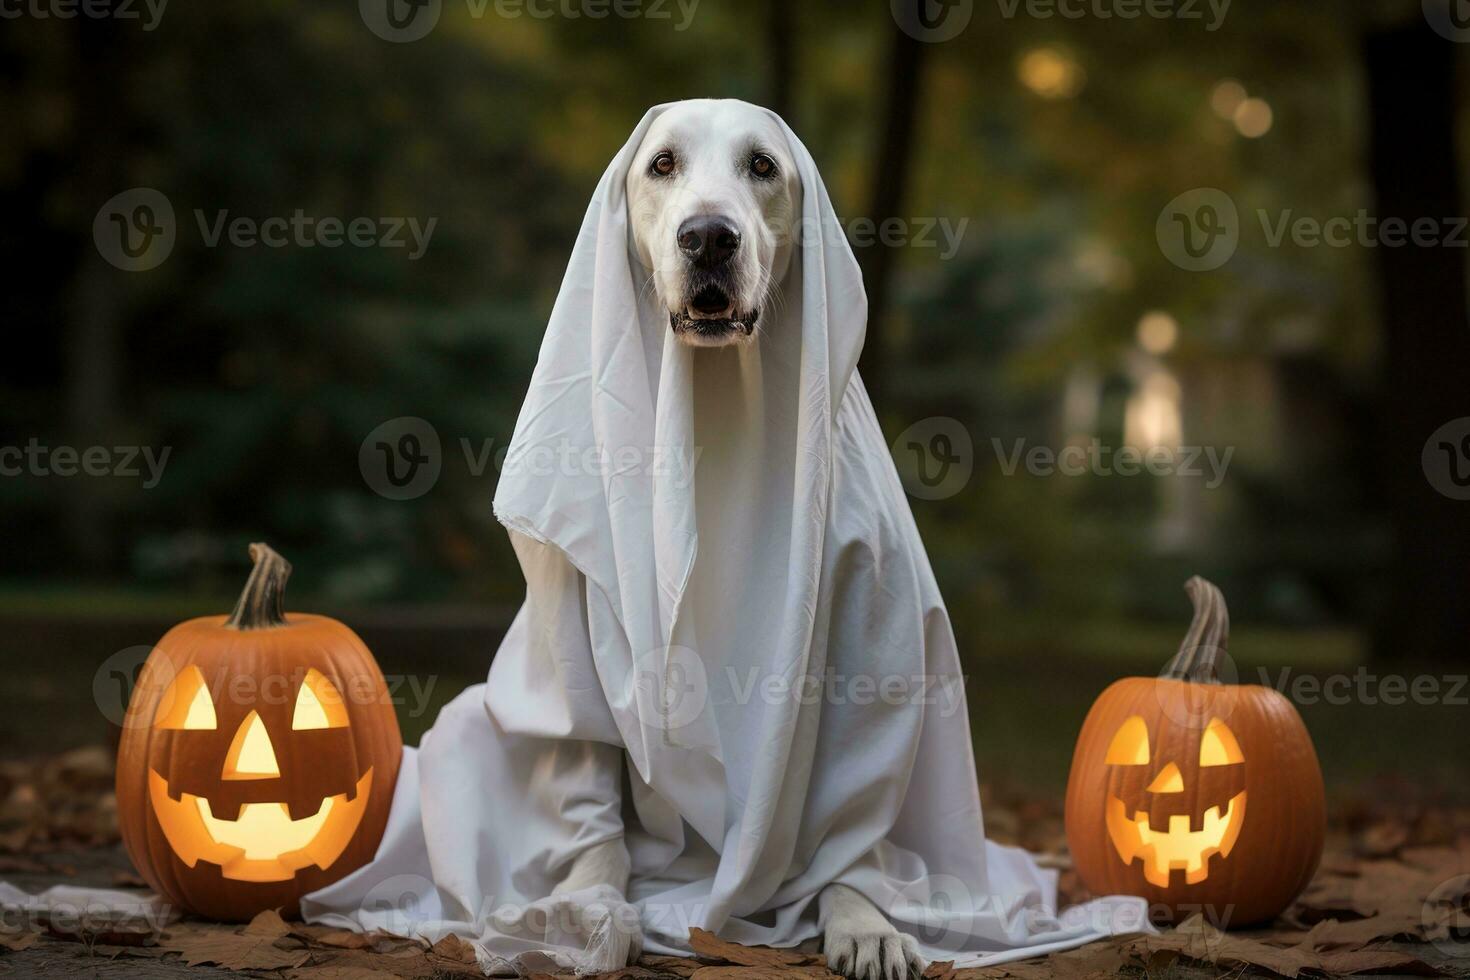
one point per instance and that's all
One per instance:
(395, 905)
(135, 230)
(1208, 688)
(1211, 13)
(130, 462)
(1199, 230)
(1368, 688)
(118, 677)
(670, 688)
(401, 459)
(932, 21)
(935, 458)
(1449, 18)
(150, 12)
(939, 908)
(1208, 463)
(1446, 459)
(1444, 917)
(400, 21)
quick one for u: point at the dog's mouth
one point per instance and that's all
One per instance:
(711, 316)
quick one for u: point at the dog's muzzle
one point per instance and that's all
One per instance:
(709, 243)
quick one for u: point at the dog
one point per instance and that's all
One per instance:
(713, 202)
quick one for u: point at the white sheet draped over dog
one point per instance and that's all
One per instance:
(732, 651)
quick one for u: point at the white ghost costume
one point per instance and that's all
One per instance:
(732, 653)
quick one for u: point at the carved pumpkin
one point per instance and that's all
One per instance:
(258, 755)
(1196, 795)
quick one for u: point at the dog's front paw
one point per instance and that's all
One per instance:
(885, 954)
(614, 937)
(861, 943)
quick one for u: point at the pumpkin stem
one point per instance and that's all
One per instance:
(1208, 636)
(262, 603)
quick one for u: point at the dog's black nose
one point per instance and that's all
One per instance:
(708, 241)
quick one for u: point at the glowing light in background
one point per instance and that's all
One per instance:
(1251, 115)
(1253, 118)
(1227, 97)
(1158, 332)
(1051, 74)
(1152, 418)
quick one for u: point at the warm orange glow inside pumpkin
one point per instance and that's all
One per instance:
(262, 842)
(1161, 851)
(318, 704)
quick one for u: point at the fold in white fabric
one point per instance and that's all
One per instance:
(732, 654)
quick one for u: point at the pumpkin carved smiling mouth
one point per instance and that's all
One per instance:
(1178, 847)
(263, 843)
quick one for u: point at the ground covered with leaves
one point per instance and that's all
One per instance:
(1392, 897)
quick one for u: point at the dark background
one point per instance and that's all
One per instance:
(1060, 318)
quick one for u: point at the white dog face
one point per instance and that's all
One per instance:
(713, 196)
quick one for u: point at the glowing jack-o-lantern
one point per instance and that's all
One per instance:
(258, 755)
(1196, 795)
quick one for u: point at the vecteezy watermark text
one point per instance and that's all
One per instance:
(34, 459)
(307, 231)
(136, 230)
(1370, 688)
(1211, 12)
(1200, 230)
(150, 12)
(401, 21)
(402, 459)
(1099, 460)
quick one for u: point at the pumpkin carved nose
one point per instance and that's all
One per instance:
(251, 754)
(1170, 780)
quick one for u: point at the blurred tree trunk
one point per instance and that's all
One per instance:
(1426, 322)
(92, 344)
(891, 161)
(782, 42)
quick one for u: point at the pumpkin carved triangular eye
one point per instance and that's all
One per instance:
(1218, 747)
(318, 704)
(186, 704)
(1129, 746)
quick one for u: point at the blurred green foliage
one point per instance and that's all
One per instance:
(264, 369)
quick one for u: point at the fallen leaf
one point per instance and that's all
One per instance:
(939, 970)
(230, 949)
(682, 966)
(1382, 839)
(1196, 939)
(454, 949)
(1376, 961)
(707, 945)
(128, 952)
(773, 972)
(268, 923)
(334, 972)
(17, 941)
(1330, 934)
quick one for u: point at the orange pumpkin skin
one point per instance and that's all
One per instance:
(350, 757)
(1282, 816)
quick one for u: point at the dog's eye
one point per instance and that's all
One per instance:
(762, 166)
(663, 164)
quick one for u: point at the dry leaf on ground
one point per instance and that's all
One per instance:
(707, 945)
(234, 949)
